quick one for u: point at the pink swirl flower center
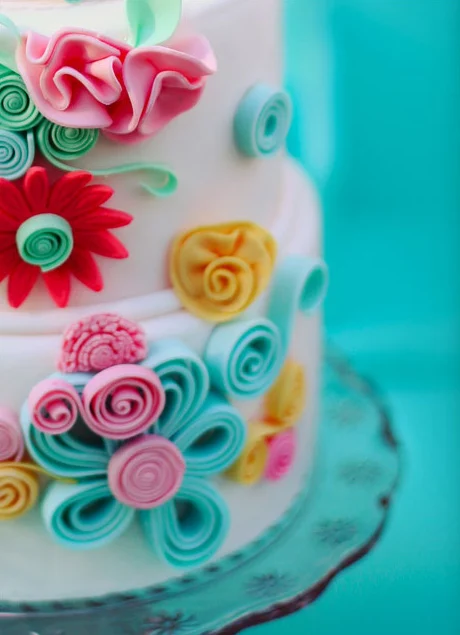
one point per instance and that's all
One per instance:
(146, 472)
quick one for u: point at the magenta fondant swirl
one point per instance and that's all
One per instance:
(146, 472)
(281, 455)
(54, 406)
(100, 341)
(81, 79)
(123, 401)
(11, 440)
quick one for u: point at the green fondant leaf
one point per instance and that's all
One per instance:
(152, 21)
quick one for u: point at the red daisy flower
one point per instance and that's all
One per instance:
(52, 231)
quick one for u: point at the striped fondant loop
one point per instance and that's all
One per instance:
(262, 121)
(17, 154)
(54, 406)
(123, 401)
(300, 284)
(244, 358)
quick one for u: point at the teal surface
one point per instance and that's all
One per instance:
(377, 92)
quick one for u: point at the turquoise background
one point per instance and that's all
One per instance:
(377, 90)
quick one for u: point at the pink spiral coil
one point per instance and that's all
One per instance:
(123, 401)
(11, 440)
(54, 406)
(146, 472)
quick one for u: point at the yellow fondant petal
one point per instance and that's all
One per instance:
(19, 488)
(218, 271)
(250, 466)
(286, 400)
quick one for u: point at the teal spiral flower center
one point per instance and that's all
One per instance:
(17, 110)
(45, 240)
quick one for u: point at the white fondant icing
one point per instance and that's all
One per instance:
(127, 563)
(216, 183)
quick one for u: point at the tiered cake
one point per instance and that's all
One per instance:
(160, 265)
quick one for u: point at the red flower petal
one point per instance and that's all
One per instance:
(102, 243)
(37, 189)
(103, 218)
(89, 199)
(58, 285)
(12, 203)
(9, 259)
(21, 282)
(66, 189)
(84, 267)
(7, 240)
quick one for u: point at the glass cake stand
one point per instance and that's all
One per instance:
(330, 525)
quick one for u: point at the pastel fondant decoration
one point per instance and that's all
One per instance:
(84, 515)
(217, 271)
(123, 468)
(52, 231)
(17, 154)
(213, 438)
(19, 489)
(11, 440)
(59, 145)
(100, 341)
(54, 406)
(299, 284)
(281, 454)
(286, 400)
(251, 464)
(152, 21)
(189, 530)
(17, 110)
(244, 357)
(81, 79)
(185, 380)
(123, 401)
(146, 472)
(262, 121)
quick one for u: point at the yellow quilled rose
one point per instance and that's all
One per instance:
(19, 488)
(251, 464)
(286, 400)
(218, 271)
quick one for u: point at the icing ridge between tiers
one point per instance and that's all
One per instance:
(297, 230)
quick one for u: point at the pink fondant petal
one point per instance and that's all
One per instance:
(36, 189)
(21, 281)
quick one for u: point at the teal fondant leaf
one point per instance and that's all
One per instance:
(152, 21)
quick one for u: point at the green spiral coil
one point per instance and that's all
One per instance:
(17, 110)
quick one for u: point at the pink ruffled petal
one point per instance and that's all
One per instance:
(37, 189)
(21, 281)
(161, 84)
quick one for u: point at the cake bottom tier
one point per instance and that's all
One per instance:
(34, 568)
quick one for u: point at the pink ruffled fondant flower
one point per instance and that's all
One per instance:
(80, 79)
